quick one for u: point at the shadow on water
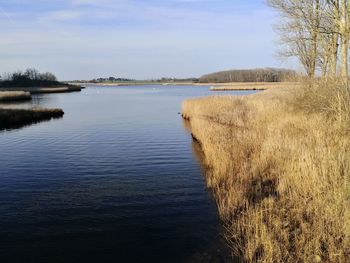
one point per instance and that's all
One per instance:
(11, 119)
(12, 127)
(220, 252)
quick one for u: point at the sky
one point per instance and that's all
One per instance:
(139, 39)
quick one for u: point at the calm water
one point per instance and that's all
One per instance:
(115, 180)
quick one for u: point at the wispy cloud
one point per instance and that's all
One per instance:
(134, 38)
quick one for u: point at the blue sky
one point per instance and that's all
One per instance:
(84, 39)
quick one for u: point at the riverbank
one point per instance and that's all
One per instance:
(10, 96)
(16, 118)
(278, 164)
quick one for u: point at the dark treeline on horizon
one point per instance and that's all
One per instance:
(29, 78)
(249, 75)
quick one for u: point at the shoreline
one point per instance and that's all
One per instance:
(13, 118)
(43, 90)
(133, 84)
(252, 86)
(270, 164)
(16, 118)
(213, 86)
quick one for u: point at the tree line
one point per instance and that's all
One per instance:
(249, 75)
(29, 78)
(317, 32)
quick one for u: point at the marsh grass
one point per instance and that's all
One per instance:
(278, 165)
(16, 118)
(10, 96)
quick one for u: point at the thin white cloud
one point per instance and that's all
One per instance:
(88, 38)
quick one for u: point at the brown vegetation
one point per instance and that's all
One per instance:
(14, 96)
(45, 90)
(278, 164)
(15, 118)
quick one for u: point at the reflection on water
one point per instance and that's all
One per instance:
(37, 100)
(186, 124)
(115, 180)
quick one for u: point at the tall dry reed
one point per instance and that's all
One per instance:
(279, 166)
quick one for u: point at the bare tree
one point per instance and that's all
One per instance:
(344, 32)
(32, 73)
(300, 31)
(48, 76)
(330, 32)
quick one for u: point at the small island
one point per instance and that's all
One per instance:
(31, 80)
(18, 87)
(17, 118)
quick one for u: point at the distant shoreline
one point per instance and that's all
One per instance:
(252, 86)
(213, 86)
(132, 84)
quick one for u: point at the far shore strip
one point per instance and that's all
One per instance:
(42, 90)
(251, 86)
(213, 86)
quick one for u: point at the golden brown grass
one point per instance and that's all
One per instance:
(14, 95)
(279, 165)
(16, 118)
(43, 90)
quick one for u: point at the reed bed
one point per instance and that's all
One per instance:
(43, 90)
(15, 118)
(278, 165)
(9, 96)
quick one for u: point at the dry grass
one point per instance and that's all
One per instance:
(14, 96)
(42, 90)
(279, 166)
(16, 118)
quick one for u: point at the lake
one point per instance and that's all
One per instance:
(117, 179)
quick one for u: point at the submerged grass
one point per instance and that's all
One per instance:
(279, 165)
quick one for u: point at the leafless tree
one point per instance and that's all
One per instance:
(300, 30)
(317, 32)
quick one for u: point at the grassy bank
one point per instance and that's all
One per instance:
(279, 165)
(16, 118)
(9, 96)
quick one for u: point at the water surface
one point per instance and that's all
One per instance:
(115, 180)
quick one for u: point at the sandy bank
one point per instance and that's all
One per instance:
(16, 118)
